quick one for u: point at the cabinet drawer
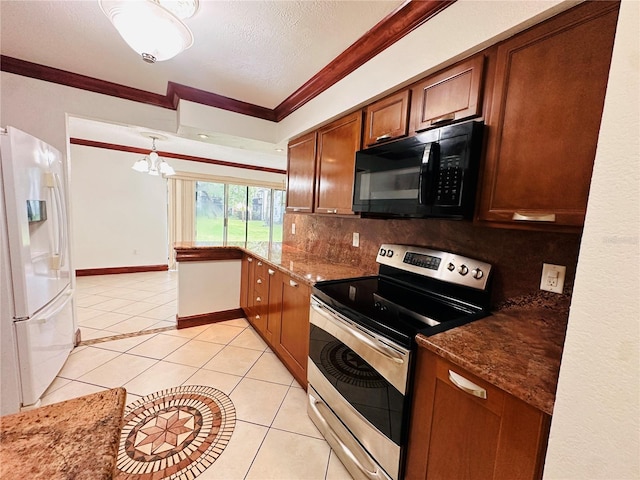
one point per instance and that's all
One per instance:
(475, 389)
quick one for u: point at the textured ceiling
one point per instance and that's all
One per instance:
(255, 51)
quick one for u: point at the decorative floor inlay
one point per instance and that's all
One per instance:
(93, 341)
(174, 434)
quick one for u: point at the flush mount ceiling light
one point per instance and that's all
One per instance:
(152, 163)
(152, 28)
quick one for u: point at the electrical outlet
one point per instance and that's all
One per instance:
(552, 277)
(356, 239)
(293, 229)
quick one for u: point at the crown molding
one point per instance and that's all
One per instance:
(406, 18)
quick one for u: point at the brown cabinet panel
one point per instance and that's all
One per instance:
(338, 143)
(293, 333)
(457, 435)
(301, 166)
(545, 116)
(452, 94)
(387, 119)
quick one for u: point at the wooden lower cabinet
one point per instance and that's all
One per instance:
(457, 435)
(277, 307)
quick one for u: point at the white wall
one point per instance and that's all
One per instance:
(119, 216)
(596, 425)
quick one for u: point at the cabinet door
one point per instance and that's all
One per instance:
(387, 119)
(274, 309)
(338, 143)
(545, 117)
(452, 94)
(301, 166)
(465, 428)
(293, 331)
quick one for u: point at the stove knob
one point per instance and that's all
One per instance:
(389, 253)
(451, 267)
(377, 305)
(383, 252)
(463, 269)
(477, 273)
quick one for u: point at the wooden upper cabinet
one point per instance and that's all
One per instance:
(387, 119)
(544, 119)
(453, 94)
(301, 166)
(338, 143)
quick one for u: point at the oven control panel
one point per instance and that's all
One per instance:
(445, 266)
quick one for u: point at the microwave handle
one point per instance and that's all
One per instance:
(429, 159)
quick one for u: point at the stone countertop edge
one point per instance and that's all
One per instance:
(77, 438)
(302, 266)
(518, 348)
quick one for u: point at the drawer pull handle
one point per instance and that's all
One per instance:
(467, 386)
(257, 317)
(258, 299)
(259, 281)
(259, 264)
(271, 272)
(386, 136)
(249, 259)
(445, 118)
(293, 284)
(542, 217)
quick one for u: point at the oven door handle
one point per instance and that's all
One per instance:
(380, 348)
(316, 404)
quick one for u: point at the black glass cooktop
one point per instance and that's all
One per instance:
(393, 309)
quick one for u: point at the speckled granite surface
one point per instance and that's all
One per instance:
(76, 439)
(518, 348)
(303, 266)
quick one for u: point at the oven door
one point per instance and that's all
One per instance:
(360, 378)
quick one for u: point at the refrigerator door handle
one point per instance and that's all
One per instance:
(58, 258)
(43, 319)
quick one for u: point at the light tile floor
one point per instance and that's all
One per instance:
(273, 437)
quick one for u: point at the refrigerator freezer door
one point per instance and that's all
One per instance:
(33, 174)
(44, 343)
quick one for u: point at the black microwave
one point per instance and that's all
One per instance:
(433, 174)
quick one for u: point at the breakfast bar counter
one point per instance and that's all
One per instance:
(76, 439)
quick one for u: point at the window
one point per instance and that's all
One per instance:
(244, 215)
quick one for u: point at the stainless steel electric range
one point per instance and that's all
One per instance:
(362, 339)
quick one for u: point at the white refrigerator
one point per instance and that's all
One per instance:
(37, 331)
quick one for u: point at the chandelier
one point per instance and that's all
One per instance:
(152, 28)
(152, 163)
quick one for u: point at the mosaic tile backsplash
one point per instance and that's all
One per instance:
(517, 255)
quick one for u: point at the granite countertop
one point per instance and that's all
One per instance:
(303, 266)
(77, 439)
(518, 348)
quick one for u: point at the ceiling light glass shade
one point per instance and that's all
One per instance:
(141, 165)
(148, 28)
(166, 169)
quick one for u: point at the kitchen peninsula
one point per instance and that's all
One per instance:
(517, 349)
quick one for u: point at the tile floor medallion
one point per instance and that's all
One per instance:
(175, 433)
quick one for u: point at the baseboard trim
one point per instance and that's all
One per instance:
(115, 270)
(211, 317)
